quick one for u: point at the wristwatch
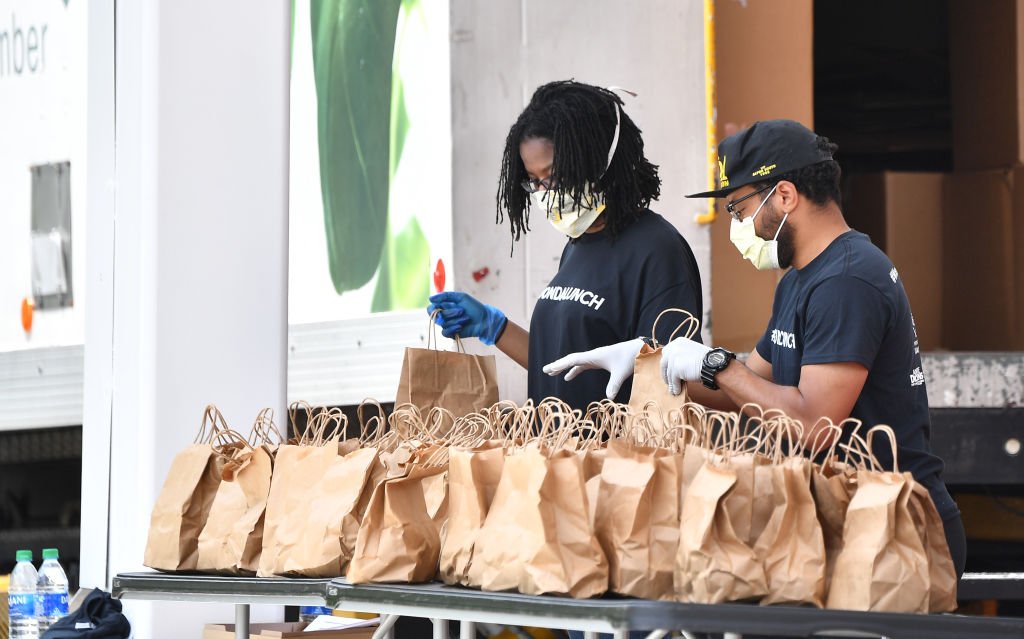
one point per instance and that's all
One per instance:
(714, 362)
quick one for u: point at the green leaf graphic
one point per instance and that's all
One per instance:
(404, 279)
(353, 47)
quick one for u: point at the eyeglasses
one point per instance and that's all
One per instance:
(731, 206)
(532, 186)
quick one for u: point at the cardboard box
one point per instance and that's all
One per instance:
(1018, 261)
(902, 213)
(983, 224)
(782, 30)
(284, 631)
(986, 49)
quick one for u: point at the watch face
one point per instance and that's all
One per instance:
(716, 359)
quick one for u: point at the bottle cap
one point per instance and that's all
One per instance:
(23, 555)
(50, 553)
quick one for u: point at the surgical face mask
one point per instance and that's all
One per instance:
(763, 254)
(572, 219)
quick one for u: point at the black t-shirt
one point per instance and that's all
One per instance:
(849, 305)
(608, 291)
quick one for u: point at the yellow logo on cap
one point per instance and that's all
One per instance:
(723, 179)
(763, 171)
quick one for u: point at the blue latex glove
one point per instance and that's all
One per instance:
(464, 316)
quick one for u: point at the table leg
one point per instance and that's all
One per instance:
(386, 629)
(658, 634)
(467, 630)
(241, 621)
(440, 628)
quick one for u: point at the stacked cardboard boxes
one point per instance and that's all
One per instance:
(956, 238)
(902, 214)
(284, 631)
(780, 32)
(984, 196)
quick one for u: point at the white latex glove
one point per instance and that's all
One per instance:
(617, 359)
(681, 361)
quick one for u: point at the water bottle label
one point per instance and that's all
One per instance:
(21, 605)
(315, 610)
(55, 604)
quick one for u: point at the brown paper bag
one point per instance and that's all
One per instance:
(604, 420)
(883, 566)
(317, 486)
(637, 518)
(456, 381)
(750, 503)
(473, 476)
(791, 546)
(648, 384)
(942, 581)
(833, 483)
(232, 539)
(789, 543)
(592, 461)
(182, 508)
(398, 541)
(713, 565)
(537, 538)
(374, 435)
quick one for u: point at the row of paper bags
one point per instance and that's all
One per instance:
(689, 504)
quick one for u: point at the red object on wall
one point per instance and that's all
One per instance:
(481, 274)
(28, 308)
(439, 276)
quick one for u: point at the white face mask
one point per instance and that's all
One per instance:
(574, 219)
(763, 254)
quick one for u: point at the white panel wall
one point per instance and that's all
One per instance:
(501, 52)
(42, 93)
(487, 96)
(198, 293)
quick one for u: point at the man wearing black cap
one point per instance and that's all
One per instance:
(841, 340)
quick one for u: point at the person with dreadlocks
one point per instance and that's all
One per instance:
(575, 157)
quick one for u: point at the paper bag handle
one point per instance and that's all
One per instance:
(368, 437)
(293, 410)
(432, 342)
(892, 442)
(213, 422)
(264, 430)
(689, 322)
(860, 448)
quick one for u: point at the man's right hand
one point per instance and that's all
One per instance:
(461, 314)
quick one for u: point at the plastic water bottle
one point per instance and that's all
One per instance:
(309, 613)
(51, 590)
(21, 598)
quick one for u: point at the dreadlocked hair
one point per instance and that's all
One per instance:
(579, 120)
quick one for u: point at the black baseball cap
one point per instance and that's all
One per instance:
(766, 149)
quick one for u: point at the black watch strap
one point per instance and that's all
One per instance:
(715, 361)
